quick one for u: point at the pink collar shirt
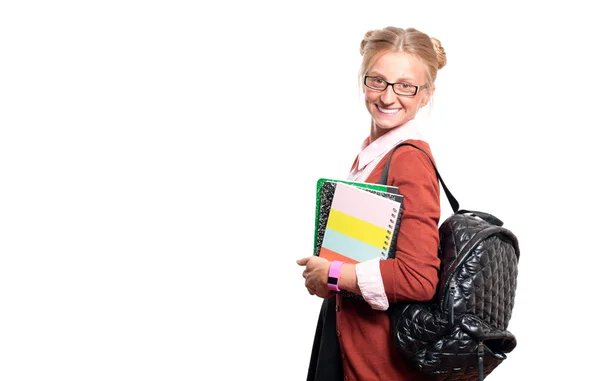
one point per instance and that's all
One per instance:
(371, 152)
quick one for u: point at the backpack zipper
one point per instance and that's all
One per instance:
(480, 353)
(450, 301)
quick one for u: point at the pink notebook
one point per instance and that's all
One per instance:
(360, 225)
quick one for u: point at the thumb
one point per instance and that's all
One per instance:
(303, 261)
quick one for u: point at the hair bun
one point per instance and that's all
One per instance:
(364, 41)
(439, 51)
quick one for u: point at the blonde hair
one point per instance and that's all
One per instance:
(391, 39)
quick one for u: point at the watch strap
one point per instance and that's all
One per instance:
(334, 276)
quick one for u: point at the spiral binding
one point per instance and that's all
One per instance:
(390, 230)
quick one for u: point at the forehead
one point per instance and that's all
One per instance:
(396, 66)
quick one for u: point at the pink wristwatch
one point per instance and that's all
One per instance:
(334, 276)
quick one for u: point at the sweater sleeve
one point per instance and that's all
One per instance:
(413, 274)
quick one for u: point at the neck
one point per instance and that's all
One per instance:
(376, 131)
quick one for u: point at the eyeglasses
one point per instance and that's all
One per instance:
(400, 88)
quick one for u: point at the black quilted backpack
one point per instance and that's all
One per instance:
(461, 334)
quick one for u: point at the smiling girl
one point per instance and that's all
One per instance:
(353, 340)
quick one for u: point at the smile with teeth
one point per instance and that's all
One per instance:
(388, 111)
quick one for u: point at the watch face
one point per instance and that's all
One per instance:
(332, 280)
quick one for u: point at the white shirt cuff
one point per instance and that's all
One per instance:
(368, 275)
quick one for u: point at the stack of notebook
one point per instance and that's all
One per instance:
(356, 221)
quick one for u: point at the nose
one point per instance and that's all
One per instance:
(388, 96)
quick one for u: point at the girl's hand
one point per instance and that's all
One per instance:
(315, 275)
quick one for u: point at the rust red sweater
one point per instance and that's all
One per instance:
(368, 353)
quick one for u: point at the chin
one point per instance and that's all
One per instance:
(387, 124)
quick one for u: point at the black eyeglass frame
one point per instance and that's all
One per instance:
(417, 88)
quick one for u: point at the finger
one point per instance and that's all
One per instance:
(305, 273)
(303, 261)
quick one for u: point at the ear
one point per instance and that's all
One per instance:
(426, 96)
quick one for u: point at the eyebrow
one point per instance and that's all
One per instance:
(401, 79)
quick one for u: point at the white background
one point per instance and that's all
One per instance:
(158, 163)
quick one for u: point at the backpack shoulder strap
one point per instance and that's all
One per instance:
(384, 175)
(453, 202)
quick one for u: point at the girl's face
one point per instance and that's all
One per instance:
(388, 109)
